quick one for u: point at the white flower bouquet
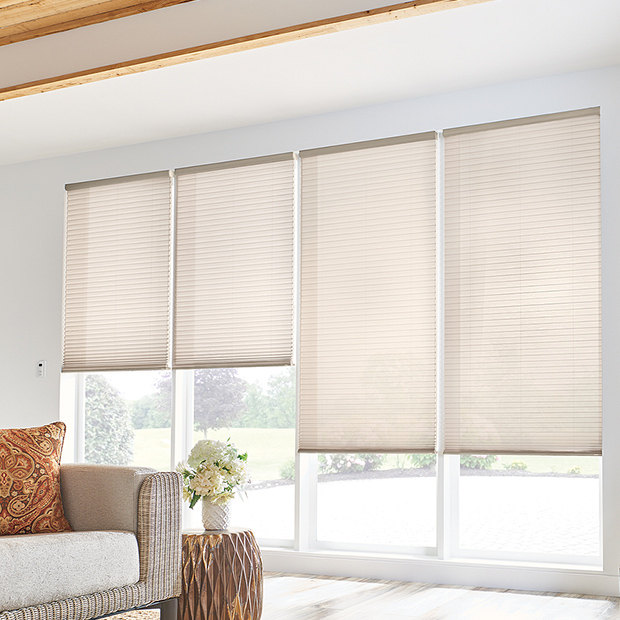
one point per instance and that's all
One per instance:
(212, 471)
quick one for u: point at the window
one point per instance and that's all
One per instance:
(367, 343)
(527, 506)
(449, 338)
(117, 275)
(120, 418)
(255, 408)
(234, 265)
(232, 300)
(523, 287)
(377, 502)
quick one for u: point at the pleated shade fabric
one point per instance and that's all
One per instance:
(117, 274)
(367, 347)
(235, 264)
(523, 287)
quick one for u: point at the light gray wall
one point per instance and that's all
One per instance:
(32, 220)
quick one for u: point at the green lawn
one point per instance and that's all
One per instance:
(535, 464)
(556, 464)
(268, 449)
(151, 448)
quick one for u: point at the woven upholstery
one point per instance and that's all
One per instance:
(159, 544)
(159, 535)
(102, 497)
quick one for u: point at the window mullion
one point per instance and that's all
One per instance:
(172, 264)
(80, 417)
(444, 482)
(306, 466)
(182, 415)
(306, 469)
(182, 422)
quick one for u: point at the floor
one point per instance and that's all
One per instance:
(298, 597)
(302, 597)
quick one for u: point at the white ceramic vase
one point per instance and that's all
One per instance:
(215, 516)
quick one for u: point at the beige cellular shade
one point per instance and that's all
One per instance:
(117, 274)
(367, 349)
(234, 264)
(523, 287)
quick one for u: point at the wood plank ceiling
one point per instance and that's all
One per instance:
(21, 20)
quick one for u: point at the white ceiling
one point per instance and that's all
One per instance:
(491, 43)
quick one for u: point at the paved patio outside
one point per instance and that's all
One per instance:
(548, 515)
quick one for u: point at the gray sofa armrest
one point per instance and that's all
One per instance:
(136, 499)
(102, 497)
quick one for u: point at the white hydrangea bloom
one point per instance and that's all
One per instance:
(213, 470)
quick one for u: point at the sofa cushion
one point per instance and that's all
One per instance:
(41, 568)
(30, 499)
(102, 497)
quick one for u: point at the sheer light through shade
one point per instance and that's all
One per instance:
(234, 264)
(117, 274)
(523, 287)
(368, 256)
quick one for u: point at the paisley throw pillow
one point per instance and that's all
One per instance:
(30, 501)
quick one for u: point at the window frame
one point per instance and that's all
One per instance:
(305, 526)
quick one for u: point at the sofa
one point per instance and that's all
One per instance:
(124, 551)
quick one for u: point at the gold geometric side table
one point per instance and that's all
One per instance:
(222, 576)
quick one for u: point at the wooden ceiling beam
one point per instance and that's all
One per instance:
(240, 44)
(21, 20)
